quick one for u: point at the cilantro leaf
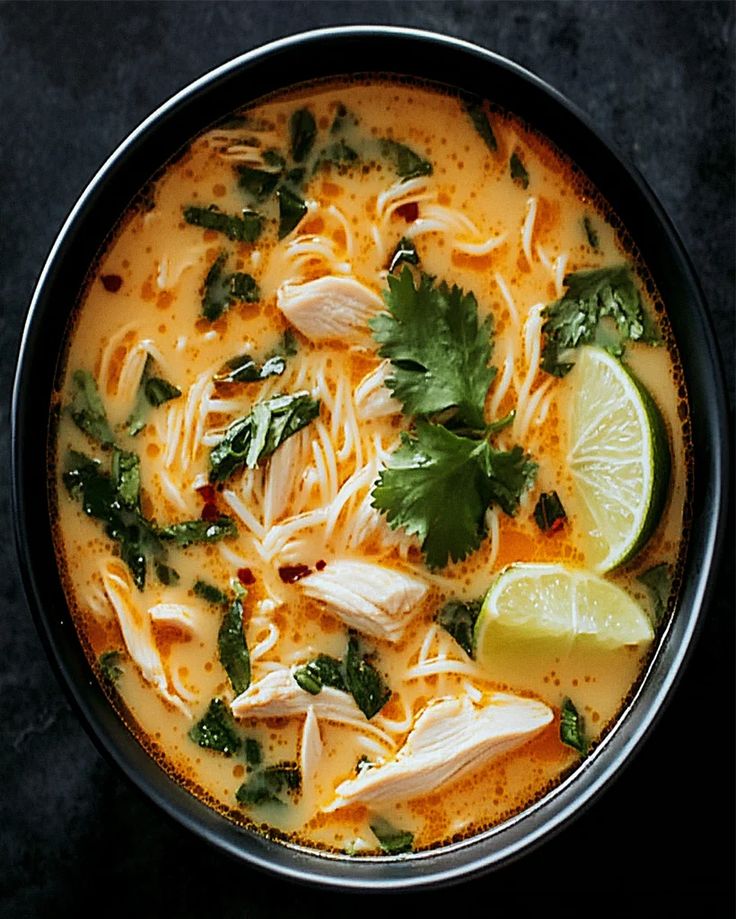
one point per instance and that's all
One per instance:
(391, 840)
(575, 319)
(209, 592)
(572, 727)
(438, 347)
(217, 730)
(88, 411)
(109, 664)
(322, 670)
(458, 618)
(439, 486)
(187, 532)
(518, 170)
(549, 513)
(302, 132)
(405, 161)
(238, 229)
(291, 210)
(363, 681)
(221, 289)
(256, 436)
(267, 785)
(477, 114)
(233, 649)
(152, 392)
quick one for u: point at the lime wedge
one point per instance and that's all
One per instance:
(618, 456)
(558, 605)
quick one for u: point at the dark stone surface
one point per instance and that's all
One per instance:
(76, 78)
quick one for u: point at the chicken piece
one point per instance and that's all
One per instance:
(278, 695)
(373, 399)
(450, 737)
(374, 600)
(330, 307)
(138, 634)
(311, 749)
(173, 614)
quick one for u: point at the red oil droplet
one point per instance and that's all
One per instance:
(320, 566)
(207, 493)
(246, 576)
(210, 512)
(409, 211)
(111, 282)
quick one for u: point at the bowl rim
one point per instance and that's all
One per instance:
(527, 830)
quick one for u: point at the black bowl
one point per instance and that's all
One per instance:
(314, 55)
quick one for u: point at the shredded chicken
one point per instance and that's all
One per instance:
(330, 307)
(376, 601)
(450, 737)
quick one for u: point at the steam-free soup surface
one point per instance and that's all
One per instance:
(173, 302)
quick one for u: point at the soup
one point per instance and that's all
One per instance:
(371, 467)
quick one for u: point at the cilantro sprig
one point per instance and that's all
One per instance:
(439, 486)
(439, 349)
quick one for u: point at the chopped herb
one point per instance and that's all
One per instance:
(260, 183)
(256, 436)
(658, 583)
(217, 730)
(87, 409)
(572, 728)
(549, 512)
(209, 592)
(337, 154)
(363, 681)
(166, 575)
(109, 663)
(291, 210)
(391, 840)
(267, 785)
(295, 177)
(126, 477)
(289, 344)
(405, 251)
(252, 751)
(439, 485)
(238, 229)
(302, 131)
(458, 618)
(518, 170)
(482, 124)
(188, 532)
(100, 499)
(321, 671)
(233, 649)
(406, 162)
(590, 232)
(438, 347)
(499, 424)
(221, 289)
(243, 369)
(152, 392)
(576, 319)
(363, 764)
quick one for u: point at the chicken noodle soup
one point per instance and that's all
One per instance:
(370, 467)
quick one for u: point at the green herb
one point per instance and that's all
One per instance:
(439, 485)
(100, 499)
(482, 124)
(87, 409)
(222, 289)
(238, 229)
(405, 161)
(576, 319)
(217, 730)
(233, 649)
(590, 232)
(302, 131)
(166, 575)
(109, 663)
(438, 347)
(321, 671)
(256, 436)
(405, 251)
(152, 392)
(549, 513)
(126, 477)
(572, 727)
(289, 344)
(243, 369)
(363, 681)
(458, 618)
(209, 592)
(268, 785)
(518, 170)
(337, 154)
(252, 751)
(260, 183)
(658, 583)
(391, 840)
(363, 764)
(493, 427)
(188, 532)
(291, 210)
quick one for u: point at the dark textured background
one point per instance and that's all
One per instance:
(75, 839)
